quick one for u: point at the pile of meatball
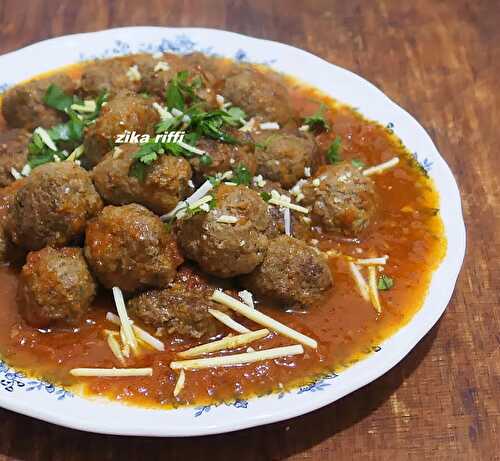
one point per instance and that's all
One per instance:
(77, 227)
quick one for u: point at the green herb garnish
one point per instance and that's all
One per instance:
(206, 160)
(357, 163)
(333, 152)
(241, 175)
(317, 121)
(56, 98)
(266, 196)
(385, 282)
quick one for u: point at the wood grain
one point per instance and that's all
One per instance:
(440, 60)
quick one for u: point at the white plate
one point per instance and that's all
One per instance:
(44, 401)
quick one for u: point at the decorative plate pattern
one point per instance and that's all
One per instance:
(45, 401)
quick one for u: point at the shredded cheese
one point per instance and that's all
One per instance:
(247, 298)
(76, 154)
(115, 347)
(199, 203)
(238, 359)
(372, 261)
(141, 334)
(381, 167)
(181, 381)
(227, 219)
(26, 170)
(285, 204)
(133, 73)
(269, 126)
(162, 112)
(87, 106)
(111, 372)
(196, 195)
(128, 333)
(248, 126)
(288, 221)
(45, 137)
(229, 342)
(117, 152)
(372, 284)
(360, 281)
(304, 128)
(219, 99)
(228, 321)
(190, 148)
(162, 65)
(15, 173)
(263, 319)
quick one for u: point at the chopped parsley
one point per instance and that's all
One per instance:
(241, 175)
(385, 282)
(333, 152)
(357, 163)
(179, 90)
(70, 132)
(266, 196)
(206, 160)
(56, 98)
(317, 121)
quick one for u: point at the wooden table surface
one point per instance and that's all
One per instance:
(440, 60)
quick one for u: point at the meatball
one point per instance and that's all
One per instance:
(292, 274)
(23, 106)
(342, 200)
(55, 286)
(130, 248)
(109, 75)
(125, 111)
(283, 157)
(225, 157)
(298, 226)
(227, 249)
(177, 310)
(165, 183)
(13, 153)
(52, 206)
(258, 94)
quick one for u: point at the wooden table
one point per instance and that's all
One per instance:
(440, 60)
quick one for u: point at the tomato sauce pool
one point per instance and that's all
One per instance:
(408, 228)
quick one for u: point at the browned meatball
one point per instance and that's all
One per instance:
(23, 106)
(225, 157)
(13, 153)
(283, 157)
(260, 94)
(165, 182)
(52, 206)
(341, 198)
(177, 310)
(227, 249)
(130, 248)
(298, 226)
(55, 286)
(110, 76)
(292, 274)
(126, 111)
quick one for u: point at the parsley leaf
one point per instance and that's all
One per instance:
(385, 282)
(56, 98)
(333, 152)
(242, 175)
(266, 196)
(206, 160)
(317, 121)
(357, 163)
